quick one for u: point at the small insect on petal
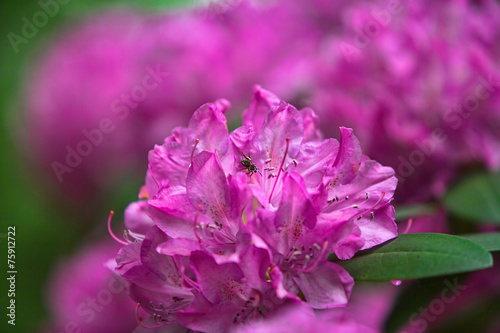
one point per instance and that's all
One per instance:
(249, 166)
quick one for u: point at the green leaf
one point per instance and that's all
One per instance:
(410, 211)
(489, 240)
(412, 256)
(476, 198)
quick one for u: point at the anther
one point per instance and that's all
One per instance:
(139, 321)
(373, 207)
(318, 259)
(125, 234)
(194, 147)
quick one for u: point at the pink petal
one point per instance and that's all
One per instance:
(327, 286)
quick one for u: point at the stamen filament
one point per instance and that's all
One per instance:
(190, 281)
(139, 321)
(214, 236)
(153, 176)
(195, 227)
(371, 208)
(111, 232)
(408, 226)
(194, 147)
(318, 259)
(281, 168)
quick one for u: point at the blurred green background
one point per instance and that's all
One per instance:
(44, 230)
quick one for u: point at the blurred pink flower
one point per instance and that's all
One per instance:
(396, 75)
(86, 295)
(112, 86)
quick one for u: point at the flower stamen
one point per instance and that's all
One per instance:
(408, 226)
(216, 233)
(153, 176)
(316, 261)
(281, 168)
(139, 320)
(371, 208)
(194, 148)
(111, 231)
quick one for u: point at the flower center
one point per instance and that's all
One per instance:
(303, 258)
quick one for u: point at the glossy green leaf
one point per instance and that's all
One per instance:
(412, 256)
(489, 240)
(476, 198)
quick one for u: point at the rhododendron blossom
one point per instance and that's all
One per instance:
(237, 225)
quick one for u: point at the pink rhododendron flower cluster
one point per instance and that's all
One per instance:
(237, 225)
(418, 82)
